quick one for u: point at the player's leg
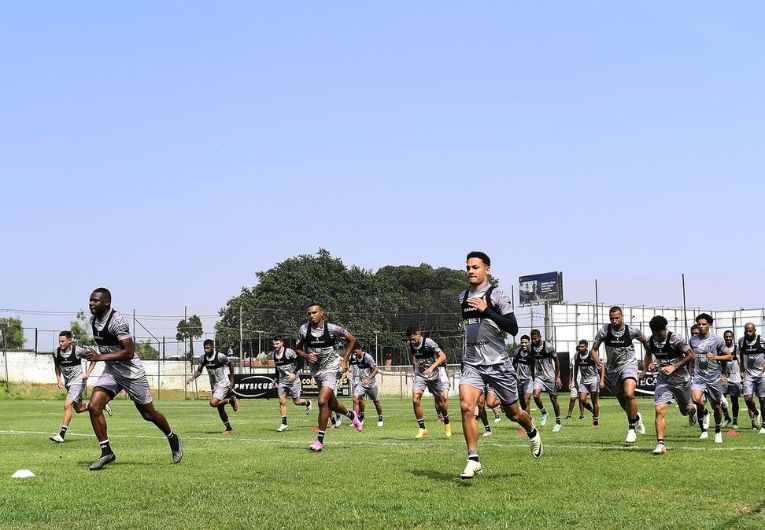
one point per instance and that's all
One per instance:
(553, 394)
(469, 396)
(481, 415)
(595, 396)
(336, 406)
(702, 414)
(282, 394)
(571, 404)
(98, 400)
(379, 410)
(418, 414)
(538, 387)
(443, 405)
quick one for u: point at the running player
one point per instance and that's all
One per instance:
(670, 354)
(546, 376)
(573, 386)
(363, 372)
(523, 362)
(67, 362)
(621, 366)
(287, 380)
(589, 379)
(752, 364)
(487, 315)
(123, 370)
(428, 363)
(732, 377)
(710, 350)
(221, 384)
(316, 344)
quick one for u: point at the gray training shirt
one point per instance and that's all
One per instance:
(708, 371)
(217, 368)
(72, 373)
(328, 359)
(544, 361)
(618, 356)
(484, 342)
(752, 363)
(118, 326)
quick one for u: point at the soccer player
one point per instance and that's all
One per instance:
(67, 362)
(287, 380)
(573, 386)
(523, 362)
(621, 366)
(709, 351)
(546, 376)
(316, 344)
(123, 370)
(487, 315)
(428, 363)
(670, 354)
(363, 372)
(752, 364)
(732, 377)
(589, 379)
(222, 385)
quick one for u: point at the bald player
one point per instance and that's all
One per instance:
(363, 372)
(221, 383)
(589, 380)
(428, 362)
(732, 382)
(546, 376)
(523, 362)
(752, 349)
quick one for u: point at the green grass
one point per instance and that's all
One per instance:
(381, 478)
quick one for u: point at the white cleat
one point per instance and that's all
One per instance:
(705, 421)
(487, 433)
(472, 469)
(660, 450)
(57, 438)
(379, 424)
(536, 445)
(282, 428)
(631, 436)
(640, 424)
(718, 437)
(497, 419)
(704, 435)
(762, 430)
(692, 419)
(556, 427)
(308, 408)
(108, 409)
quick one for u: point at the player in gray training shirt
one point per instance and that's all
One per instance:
(710, 352)
(363, 372)
(67, 362)
(523, 362)
(668, 355)
(428, 366)
(123, 371)
(586, 371)
(316, 344)
(487, 315)
(221, 383)
(732, 382)
(751, 349)
(621, 366)
(287, 379)
(546, 376)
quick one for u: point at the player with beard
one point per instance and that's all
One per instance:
(589, 379)
(752, 349)
(221, 384)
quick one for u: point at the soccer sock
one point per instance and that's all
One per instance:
(379, 417)
(172, 438)
(496, 415)
(227, 425)
(487, 427)
(557, 419)
(348, 414)
(307, 403)
(284, 420)
(660, 441)
(63, 431)
(700, 414)
(588, 406)
(532, 432)
(725, 413)
(421, 423)
(718, 428)
(631, 423)
(543, 411)
(446, 420)
(361, 416)
(473, 454)
(222, 414)
(320, 436)
(106, 449)
(595, 420)
(735, 420)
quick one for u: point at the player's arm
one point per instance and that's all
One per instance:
(59, 381)
(647, 363)
(125, 354)
(557, 370)
(441, 358)
(197, 372)
(723, 354)
(414, 364)
(574, 373)
(231, 374)
(87, 373)
(506, 321)
(596, 358)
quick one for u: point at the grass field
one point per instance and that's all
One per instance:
(381, 478)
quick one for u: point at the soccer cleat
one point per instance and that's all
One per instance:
(108, 409)
(735, 426)
(543, 420)
(379, 423)
(227, 432)
(705, 421)
(177, 453)
(692, 419)
(660, 450)
(487, 433)
(57, 438)
(472, 469)
(556, 427)
(308, 408)
(338, 422)
(567, 417)
(762, 430)
(447, 431)
(316, 446)
(581, 416)
(631, 436)
(704, 435)
(440, 419)
(282, 428)
(718, 437)
(421, 433)
(640, 424)
(234, 403)
(101, 462)
(536, 445)
(497, 419)
(357, 423)
(726, 423)
(724, 403)
(758, 420)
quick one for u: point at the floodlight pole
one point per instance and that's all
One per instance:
(5, 356)
(685, 312)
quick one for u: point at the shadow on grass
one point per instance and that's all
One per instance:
(454, 477)
(732, 522)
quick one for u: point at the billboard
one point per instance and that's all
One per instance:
(263, 386)
(541, 288)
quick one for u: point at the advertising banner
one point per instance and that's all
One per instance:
(541, 288)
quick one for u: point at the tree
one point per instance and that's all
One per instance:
(12, 332)
(145, 350)
(79, 327)
(189, 329)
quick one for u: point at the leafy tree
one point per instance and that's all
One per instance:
(79, 327)
(146, 350)
(189, 329)
(13, 332)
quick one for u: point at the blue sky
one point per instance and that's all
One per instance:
(171, 150)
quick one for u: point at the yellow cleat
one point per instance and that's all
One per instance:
(422, 433)
(447, 431)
